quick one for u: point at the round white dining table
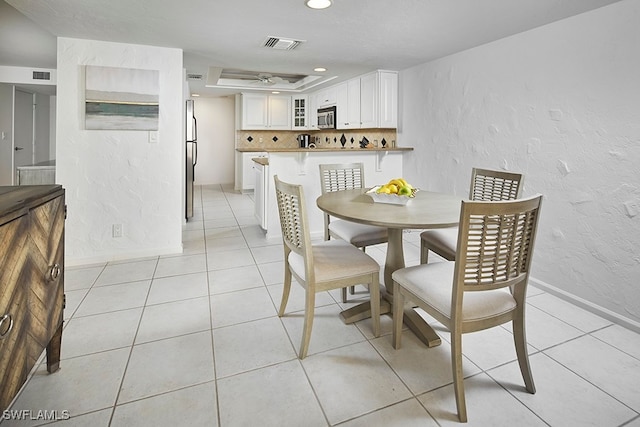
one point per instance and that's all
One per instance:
(426, 210)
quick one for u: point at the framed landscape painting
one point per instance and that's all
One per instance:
(121, 98)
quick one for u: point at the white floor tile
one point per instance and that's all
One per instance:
(83, 384)
(173, 319)
(175, 288)
(241, 306)
(352, 381)
(192, 406)
(328, 332)
(406, 414)
(421, 368)
(488, 404)
(569, 313)
(127, 272)
(81, 278)
(621, 338)
(167, 365)
(562, 397)
(185, 264)
(606, 367)
(230, 259)
(277, 395)
(544, 330)
(234, 279)
(100, 332)
(104, 299)
(251, 345)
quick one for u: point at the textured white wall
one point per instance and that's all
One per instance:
(118, 176)
(216, 140)
(560, 104)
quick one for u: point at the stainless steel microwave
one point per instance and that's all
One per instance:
(327, 118)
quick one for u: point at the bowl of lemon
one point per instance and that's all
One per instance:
(396, 192)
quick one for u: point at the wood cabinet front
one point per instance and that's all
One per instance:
(31, 282)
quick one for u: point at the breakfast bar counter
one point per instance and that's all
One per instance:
(323, 150)
(302, 166)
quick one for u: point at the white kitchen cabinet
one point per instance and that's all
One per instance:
(261, 193)
(279, 112)
(300, 112)
(245, 174)
(261, 111)
(369, 101)
(369, 105)
(326, 97)
(348, 105)
(387, 99)
(312, 113)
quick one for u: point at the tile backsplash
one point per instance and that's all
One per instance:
(324, 138)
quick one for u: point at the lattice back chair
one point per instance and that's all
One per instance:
(320, 266)
(486, 185)
(348, 176)
(484, 287)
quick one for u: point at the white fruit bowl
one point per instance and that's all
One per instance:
(392, 199)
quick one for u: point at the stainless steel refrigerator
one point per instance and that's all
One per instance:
(191, 143)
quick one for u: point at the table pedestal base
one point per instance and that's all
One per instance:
(414, 322)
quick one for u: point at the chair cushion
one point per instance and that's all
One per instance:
(358, 234)
(446, 238)
(433, 283)
(334, 260)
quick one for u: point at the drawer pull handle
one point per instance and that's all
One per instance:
(54, 272)
(2, 320)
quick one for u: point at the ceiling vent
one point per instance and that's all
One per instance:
(41, 75)
(194, 76)
(281, 43)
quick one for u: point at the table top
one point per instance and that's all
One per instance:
(426, 210)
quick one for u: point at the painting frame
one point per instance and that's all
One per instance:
(121, 98)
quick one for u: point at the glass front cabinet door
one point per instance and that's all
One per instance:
(300, 112)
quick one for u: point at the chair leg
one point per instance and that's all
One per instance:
(458, 377)
(310, 301)
(398, 313)
(424, 253)
(344, 294)
(519, 337)
(375, 303)
(285, 290)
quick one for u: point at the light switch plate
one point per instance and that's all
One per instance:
(153, 137)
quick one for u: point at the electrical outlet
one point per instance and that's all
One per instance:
(116, 230)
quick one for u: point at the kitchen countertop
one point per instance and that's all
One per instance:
(324, 150)
(40, 165)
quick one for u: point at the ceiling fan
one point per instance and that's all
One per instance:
(267, 79)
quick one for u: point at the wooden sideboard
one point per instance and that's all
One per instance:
(31, 282)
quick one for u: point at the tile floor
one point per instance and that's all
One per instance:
(195, 340)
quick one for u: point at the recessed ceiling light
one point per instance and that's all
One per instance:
(319, 69)
(275, 92)
(195, 94)
(318, 4)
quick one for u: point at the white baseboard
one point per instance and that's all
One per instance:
(587, 305)
(121, 256)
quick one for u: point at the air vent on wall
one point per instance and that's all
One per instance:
(281, 44)
(41, 75)
(194, 76)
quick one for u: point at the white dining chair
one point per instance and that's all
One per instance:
(484, 287)
(322, 266)
(486, 185)
(348, 176)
